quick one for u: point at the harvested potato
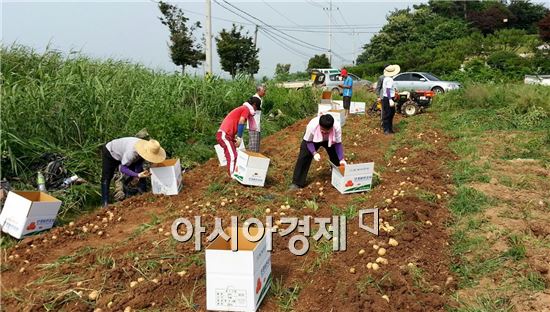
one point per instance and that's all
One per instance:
(93, 295)
(393, 242)
(382, 251)
(362, 251)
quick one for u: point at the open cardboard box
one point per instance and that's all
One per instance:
(28, 212)
(237, 280)
(354, 107)
(166, 177)
(355, 178)
(251, 168)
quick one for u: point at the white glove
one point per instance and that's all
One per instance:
(317, 157)
(238, 141)
(392, 103)
(144, 174)
(343, 162)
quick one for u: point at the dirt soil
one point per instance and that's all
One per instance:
(108, 250)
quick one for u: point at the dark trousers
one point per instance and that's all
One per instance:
(387, 115)
(346, 100)
(109, 166)
(304, 161)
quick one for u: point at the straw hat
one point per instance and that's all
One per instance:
(150, 151)
(392, 70)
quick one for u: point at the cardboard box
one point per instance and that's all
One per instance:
(339, 115)
(357, 107)
(221, 155)
(166, 177)
(28, 212)
(354, 107)
(251, 168)
(356, 178)
(237, 280)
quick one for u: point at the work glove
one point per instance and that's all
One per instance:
(343, 162)
(317, 157)
(392, 103)
(238, 141)
(144, 174)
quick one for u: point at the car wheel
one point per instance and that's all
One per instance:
(335, 91)
(438, 90)
(410, 108)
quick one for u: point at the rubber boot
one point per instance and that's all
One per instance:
(104, 194)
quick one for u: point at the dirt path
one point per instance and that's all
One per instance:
(60, 274)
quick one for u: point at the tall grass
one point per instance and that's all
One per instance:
(498, 106)
(72, 105)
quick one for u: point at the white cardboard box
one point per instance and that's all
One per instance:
(237, 280)
(166, 177)
(28, 212)
(251, 168)
(221, 155)
(354, 107)
(339, 115)
(325, 107)
(356, 178)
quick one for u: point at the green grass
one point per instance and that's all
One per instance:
(311, 204)
(467, 201)
(533, 281)
(285, 296)
(517, 248)
(427, 196)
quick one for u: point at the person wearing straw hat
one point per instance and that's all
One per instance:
(388, 105)
(127, 155)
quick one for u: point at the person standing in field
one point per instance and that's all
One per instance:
(127, 155)
(230, 134)
(379, 90)
(254, 136)
(324, 132)
(388, 105)
(347, 88)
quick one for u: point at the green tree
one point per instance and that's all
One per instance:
(184, 51)
(527, 14)
(495, 17)
(237, 52)
(318, 61)
(282, 71)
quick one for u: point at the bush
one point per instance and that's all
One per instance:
(512, 106)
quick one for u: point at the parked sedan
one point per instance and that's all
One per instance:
(331, 84)
(423, 81)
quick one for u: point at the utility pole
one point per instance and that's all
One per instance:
(330, 33)
(256, 35)
(208, 37)
(329, 9)
(353, 37)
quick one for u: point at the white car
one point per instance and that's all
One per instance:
(423, 81)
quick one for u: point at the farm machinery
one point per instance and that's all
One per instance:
(408, 103)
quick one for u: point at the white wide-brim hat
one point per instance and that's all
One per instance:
(150, 151)
(392, 70)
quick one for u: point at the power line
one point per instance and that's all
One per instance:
(218, 18)
(297, 40)
(313, 3)
(276, 11)
(289, 48)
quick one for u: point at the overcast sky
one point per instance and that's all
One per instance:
(131, 30)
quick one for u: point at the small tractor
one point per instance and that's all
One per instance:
(408, 103)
